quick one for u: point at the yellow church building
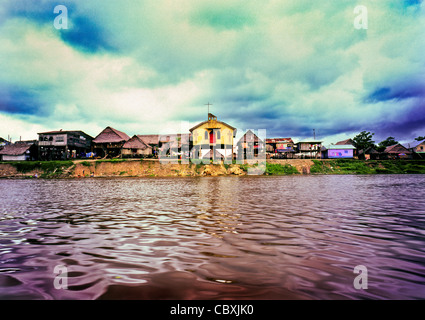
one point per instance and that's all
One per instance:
(213, 139)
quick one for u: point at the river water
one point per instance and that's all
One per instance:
(289, 237)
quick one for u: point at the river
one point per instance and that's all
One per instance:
(288, 237)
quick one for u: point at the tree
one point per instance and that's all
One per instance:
(363, 140)
(390, 141)
(420, 138)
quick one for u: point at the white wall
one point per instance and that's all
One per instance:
(14, 158)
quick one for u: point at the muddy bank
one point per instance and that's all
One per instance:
(151, 168)
(145, 168)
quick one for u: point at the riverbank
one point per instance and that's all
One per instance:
(153, 168)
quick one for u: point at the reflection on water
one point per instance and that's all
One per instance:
(214, 238)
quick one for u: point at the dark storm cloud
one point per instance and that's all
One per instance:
(85, 34)
(19, 101)
(411, 89)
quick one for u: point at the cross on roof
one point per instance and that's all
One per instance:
(209, 104)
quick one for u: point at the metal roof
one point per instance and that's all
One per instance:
(340, 147)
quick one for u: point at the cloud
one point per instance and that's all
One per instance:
(286, 66)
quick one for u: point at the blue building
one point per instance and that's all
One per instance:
(338, 151)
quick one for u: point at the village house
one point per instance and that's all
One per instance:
(397, 151)
(418, 149)
(169, 144)
(342, 151)
(348, 142)
(249, 146)
(62, 145)
(280, 147)
(369, 154)
(345, 142)
(308, 149)
(151, 140)
(19, 151)
(136, 148)
(212, 134)
(109, 143)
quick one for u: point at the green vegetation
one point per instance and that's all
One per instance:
(50, 169)
(364, 140)
(110, 160)
(86, 163)
(244, 167)
(351, 166)
(278, 169)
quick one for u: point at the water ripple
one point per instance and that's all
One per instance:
(214, 238)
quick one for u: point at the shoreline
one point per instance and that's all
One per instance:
(153, 168)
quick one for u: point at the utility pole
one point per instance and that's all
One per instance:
(314, 134)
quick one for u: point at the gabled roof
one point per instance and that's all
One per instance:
(152, 139)
(221, 122)
(111, 135)
(396, 148)
(16, 149)
(135, 143)
(414, 143)
(65, 132)
(345, 142)
(249, 136)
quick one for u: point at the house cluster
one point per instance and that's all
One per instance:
(210, 139)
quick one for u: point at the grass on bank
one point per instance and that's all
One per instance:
(49, 168)
(278, 169)
(351, 166)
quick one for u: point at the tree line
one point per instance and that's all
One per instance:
(364, 140)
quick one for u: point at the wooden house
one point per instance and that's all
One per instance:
(109, 143)
(369, 154)
(397, 151)
(212, 134)
(19, 151)
(280, 147)
(309, 149)
(61, 145)
(417, 148)
(136, 148)
(249, 146)
(177, 143)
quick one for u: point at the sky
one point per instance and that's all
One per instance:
(148, 67)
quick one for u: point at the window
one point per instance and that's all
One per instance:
(59, 139)
(206, 135)
(218, 134)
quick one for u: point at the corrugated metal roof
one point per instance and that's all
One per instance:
(340, 147)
